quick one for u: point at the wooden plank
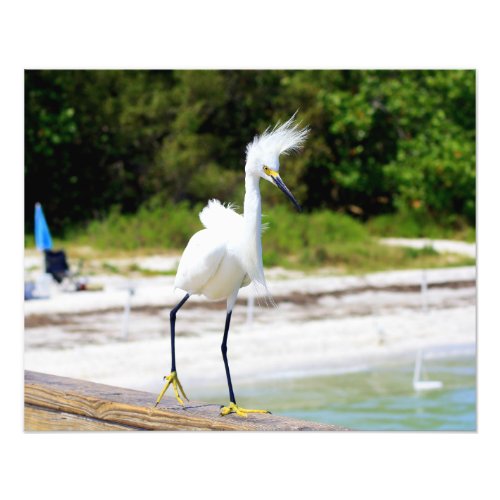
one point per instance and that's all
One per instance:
(41, 419)
(86, 405)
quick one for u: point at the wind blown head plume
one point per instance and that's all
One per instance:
(281, 139)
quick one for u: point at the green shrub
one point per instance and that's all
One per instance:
(305, 241)
(407, 224)
(381, 141)
(168, 227)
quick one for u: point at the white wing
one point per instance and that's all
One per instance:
(200, 261)
(207, 248)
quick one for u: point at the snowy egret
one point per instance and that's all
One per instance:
(227, 254)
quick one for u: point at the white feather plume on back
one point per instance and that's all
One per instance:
(217, 216)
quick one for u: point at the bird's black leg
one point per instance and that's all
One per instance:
(233, 407)
(172, 378)
(223, 348)
(173, 314)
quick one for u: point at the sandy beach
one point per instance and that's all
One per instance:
(323, 324)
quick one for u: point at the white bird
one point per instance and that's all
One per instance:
(227, 254)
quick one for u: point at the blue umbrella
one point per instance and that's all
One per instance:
(43, 240)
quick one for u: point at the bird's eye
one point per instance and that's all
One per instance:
(267, 170)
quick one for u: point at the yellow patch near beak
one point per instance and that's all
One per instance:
(271, 173)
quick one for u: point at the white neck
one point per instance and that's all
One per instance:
(252, 211)
(252, 215)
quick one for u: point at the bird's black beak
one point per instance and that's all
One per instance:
(277, 180)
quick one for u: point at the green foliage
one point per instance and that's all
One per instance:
(152, 226)
(308, 237)
(305, 241)
(382, 142)
(419, 224)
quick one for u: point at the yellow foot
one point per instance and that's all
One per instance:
(172, 379)
(242, 412)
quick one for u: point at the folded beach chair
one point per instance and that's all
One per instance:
(57, 266)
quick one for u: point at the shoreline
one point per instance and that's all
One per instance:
(159, 291)
(323, 325)
(332, 347)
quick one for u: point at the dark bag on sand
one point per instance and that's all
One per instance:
(56, 264)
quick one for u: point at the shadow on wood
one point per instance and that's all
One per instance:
(58, 403)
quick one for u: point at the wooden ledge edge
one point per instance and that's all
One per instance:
(61, 403)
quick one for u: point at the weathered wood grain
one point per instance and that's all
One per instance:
(40, 419)
(61, 403)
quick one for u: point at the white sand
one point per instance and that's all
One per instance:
(325, 335)
(159, 290)
(451, 246)
(274, 350)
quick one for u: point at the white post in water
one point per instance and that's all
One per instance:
(425, 295)
(380, 333)
(423, 288)
(423, 385)
(126, 312)
(250, 306)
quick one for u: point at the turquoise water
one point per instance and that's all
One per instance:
(379, 399)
